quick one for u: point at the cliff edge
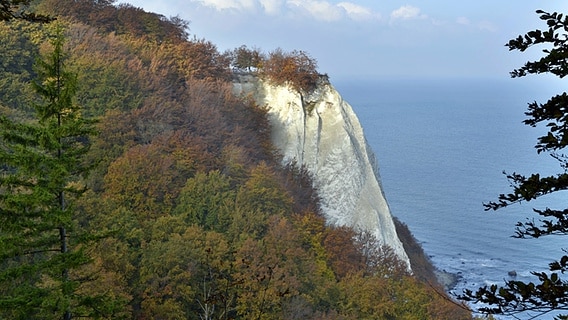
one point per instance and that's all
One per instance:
(321, 132)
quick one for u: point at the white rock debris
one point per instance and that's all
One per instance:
(321, 132)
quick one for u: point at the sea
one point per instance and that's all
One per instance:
(442, 147)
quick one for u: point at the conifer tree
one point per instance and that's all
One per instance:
(41, 169)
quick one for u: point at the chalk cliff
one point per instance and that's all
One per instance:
(322, 132)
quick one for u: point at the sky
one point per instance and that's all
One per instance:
(372, 38)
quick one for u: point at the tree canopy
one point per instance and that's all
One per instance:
(19, 9)
(296, 68)
(550, 293)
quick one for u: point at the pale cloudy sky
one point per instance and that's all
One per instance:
(372, 38)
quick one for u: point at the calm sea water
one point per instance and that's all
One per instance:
(442, 147)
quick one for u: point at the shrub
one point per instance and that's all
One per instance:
(296, 68)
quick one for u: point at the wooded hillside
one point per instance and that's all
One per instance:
(188, 212)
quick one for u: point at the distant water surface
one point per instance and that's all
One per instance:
(442, 146)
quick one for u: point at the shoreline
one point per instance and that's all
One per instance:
(446, 279)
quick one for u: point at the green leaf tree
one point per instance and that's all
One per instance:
(246, 59)
(207, 200)
(41, 171)
(550, 292)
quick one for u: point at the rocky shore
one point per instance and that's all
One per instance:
(447, 279)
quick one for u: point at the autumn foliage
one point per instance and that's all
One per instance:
(296, 68)
(200, 218)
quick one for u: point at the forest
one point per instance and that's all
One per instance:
(135, 185)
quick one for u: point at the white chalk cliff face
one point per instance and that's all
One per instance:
(321, 132)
